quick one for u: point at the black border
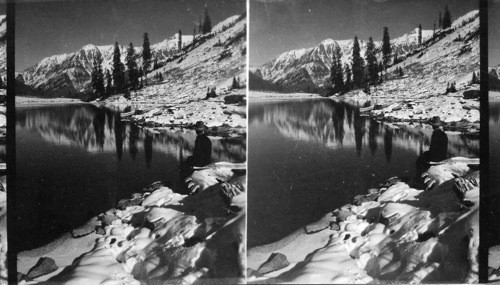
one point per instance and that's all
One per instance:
(11, 145)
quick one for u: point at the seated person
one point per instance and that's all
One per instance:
(202, 152)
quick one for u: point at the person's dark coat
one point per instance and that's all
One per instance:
(439, 146)
(202, 150)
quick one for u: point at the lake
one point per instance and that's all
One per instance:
(76, 161)
(308, 157)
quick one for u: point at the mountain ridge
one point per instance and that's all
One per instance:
(291, 69)
(69, 74)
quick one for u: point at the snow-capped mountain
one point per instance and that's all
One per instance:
(310, 67)
(71, 73)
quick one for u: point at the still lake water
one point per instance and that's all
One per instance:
(308, 157)
(494, 169)
(76, 161)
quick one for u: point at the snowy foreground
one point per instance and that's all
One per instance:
(157, 236)
(394, 233)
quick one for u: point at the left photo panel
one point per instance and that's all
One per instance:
(130, 136)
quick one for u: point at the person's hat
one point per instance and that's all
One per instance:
(436, 121)
(200, 126)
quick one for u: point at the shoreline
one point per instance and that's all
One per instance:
(493, 96)
(30, 101)
(224, 115)
(263, 96)
(403, 111)
(229, 122)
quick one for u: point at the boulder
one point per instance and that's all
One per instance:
(86, 229)
(275, 262)
(471, 94)
(45, 265)
(234, 99)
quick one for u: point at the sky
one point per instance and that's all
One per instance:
(45, 28)
(493, 33)
(277, 26)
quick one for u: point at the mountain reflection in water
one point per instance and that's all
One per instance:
(101, 130)
(76, 161)
(308, 157)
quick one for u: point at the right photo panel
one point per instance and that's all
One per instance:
(363, 144)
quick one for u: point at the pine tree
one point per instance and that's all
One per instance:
(194, 35)
(434, 30)
(446, 18)
(358, 66)
(475, 80)
(97, 77)
(200, 26)
(118, 70)
(109, 83)
(401, 73)
(336, 74)
(396, 59)
(235, 84)
(146, 54)
(386, 47)
(207, 24)
(179, 43)
(440, 20)
(419, 34)
(371, 62)
(348, 78)
(133, 73)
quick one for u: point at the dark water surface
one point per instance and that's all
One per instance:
(76, 161)
(494, 170)
(309, 157)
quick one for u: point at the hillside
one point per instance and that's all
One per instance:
(214, 61)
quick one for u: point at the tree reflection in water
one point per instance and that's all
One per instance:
(307, 157)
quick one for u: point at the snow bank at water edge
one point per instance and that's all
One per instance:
(393, 233)
(161, 236)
